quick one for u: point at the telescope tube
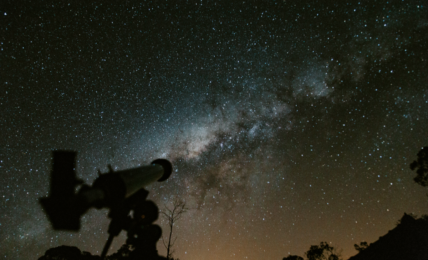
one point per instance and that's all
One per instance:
(113, 187)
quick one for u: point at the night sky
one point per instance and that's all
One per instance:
(288, 122)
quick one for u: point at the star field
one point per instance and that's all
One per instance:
(287, 123)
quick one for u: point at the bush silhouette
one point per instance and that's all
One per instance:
(293, 257)
(67, 253)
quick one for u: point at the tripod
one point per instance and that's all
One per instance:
(142, 234)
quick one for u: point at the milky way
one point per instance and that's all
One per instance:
(287, 123)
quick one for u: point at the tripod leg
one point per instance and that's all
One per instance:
(107, 246)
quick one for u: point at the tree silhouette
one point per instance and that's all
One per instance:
(293, 257)
(172, 216)
(361, 247)
(322, 252)
(422, 167)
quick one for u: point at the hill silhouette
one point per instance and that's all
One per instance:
(408, 240)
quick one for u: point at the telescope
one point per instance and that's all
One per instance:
(120, 191)
(64, 206)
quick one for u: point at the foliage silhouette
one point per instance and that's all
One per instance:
(422, 167)
(293, 257)
(406, 216)
(361, 247)
(322, 252)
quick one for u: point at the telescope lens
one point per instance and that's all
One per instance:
(167, 168)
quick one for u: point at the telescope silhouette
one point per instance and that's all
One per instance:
(64, 206)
